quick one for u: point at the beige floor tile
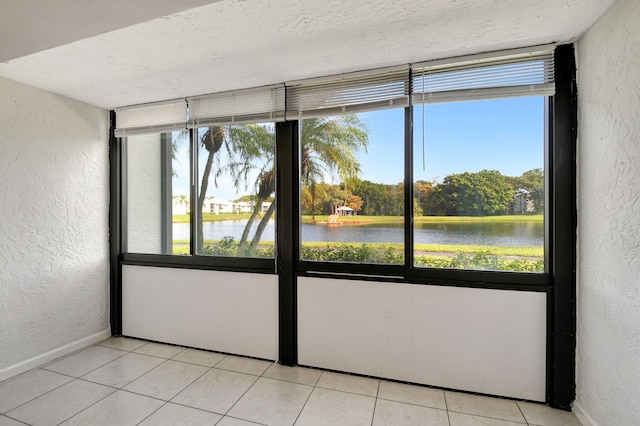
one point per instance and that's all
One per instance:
(272, 402)
(230, 421)
(122, 343)
(459, 419)
(167, 380)
(483, 406)
(412, 394)
(124, 370)
(244, 365)
(25, 387)
(216, 391)
(61, 403)
(348, 383)
(329, 407)
(543, 415)
(6, 421)
(82, 362)
(172, 415)
(392, 413)
(120, 408)
(159, 349)
(304, 376)
(194, 356)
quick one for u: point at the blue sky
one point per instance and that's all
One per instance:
(505, 135)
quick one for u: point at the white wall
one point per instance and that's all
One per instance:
(223, 311)
(608, 335)
(487, 341)
(53, 225)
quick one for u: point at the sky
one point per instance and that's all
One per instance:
(505, 135)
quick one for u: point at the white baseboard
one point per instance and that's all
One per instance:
(584, 418)
(36, 361)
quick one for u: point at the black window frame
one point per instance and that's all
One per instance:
(558, 281)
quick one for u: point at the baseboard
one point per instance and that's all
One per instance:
(584, 418)
(21, 367)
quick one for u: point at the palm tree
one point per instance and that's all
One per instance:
(330, 145)
(212, 140)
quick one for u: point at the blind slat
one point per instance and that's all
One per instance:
(530, 74)
(151, 118)
(262, 104)
(348, 93)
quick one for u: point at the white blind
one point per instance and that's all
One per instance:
(348, 93)
(518, 74)
(151, 118)
(257, 105)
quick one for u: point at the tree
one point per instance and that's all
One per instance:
(373, 196)
(329, 146)
(211, 141)
(421, 189)
(484, 193)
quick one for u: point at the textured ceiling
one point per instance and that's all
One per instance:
(234, 44)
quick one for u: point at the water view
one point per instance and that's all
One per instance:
(500, 234)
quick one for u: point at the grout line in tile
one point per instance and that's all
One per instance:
(522, 412)
(242, 396)
(375, 404)
(150, 414)
(313, 389)
(91, 405)
(446, 406)
(12, 418)
(49, 391)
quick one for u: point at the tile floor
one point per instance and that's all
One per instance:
(125, 381)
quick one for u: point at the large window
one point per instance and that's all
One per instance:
(405, 171)
(479, 185)
(352, 190)
(351, 144)
(236, 190)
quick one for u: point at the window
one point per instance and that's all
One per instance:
(202, 184)
(236, 190)
(479, 185)
(351, 148)
(407, 171)
(479, 163)
(157, 178)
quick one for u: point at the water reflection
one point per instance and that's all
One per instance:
(529, 234)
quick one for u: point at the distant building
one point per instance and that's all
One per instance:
(345, 211)
(522, 204)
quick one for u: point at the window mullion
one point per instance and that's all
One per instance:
(193, 187)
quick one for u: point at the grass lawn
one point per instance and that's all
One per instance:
(182, 247)
(211, 217)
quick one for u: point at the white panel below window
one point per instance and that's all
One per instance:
(222, 311)
(478, 340)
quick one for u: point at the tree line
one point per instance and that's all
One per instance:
(483, 193)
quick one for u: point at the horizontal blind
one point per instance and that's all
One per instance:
(257, 105)
(151, 118)
(348, 93)
(522, 74)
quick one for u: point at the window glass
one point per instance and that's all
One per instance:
(236, 191)
(158, 193)
(479, 186)
(352, 190)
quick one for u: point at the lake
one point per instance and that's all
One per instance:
(529, 234)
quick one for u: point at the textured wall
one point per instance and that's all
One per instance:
(608, 353)
(53, 222)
